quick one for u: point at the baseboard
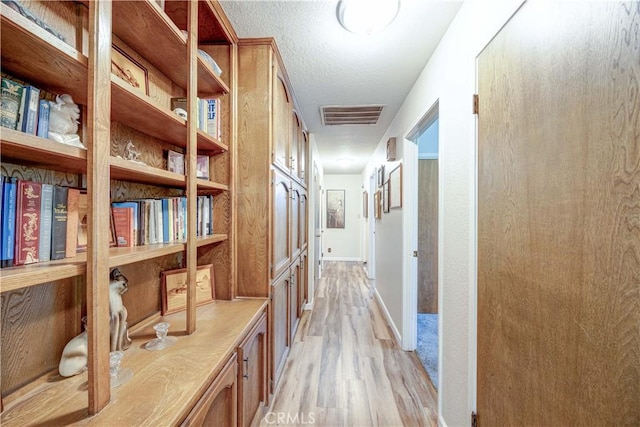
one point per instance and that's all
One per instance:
(387, 317)
(441, 422)
(326, 258)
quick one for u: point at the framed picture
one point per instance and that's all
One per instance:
(202, 167)
(174, 288)
(385, 197)
(380, 175)
(377, 204)
(395, 187)
(365, 204)
(129, 70)
(175, 162)
(335, 208)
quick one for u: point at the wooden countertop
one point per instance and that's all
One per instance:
(165, 384)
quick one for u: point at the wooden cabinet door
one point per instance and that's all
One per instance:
(218, 406)
(294, 310)
(296, 136)
(252, 373)
(281, 125)
(302, 283)
(303, 222)
(279, 326)
(303, 155)
(280, 240)
(295, 221)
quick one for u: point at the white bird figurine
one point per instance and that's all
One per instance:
(63, 121)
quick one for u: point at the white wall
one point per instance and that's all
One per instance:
(450, 79)
(313, 257)
(345, 243)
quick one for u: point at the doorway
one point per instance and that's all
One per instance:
(426, 137)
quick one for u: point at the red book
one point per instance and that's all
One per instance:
(27, 222)
(123, 223)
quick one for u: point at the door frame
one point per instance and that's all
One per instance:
(371, 262)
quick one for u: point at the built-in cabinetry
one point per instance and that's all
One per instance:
(42, 303)
(271, 185)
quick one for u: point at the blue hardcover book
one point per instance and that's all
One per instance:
(43, 119)
(9, 195)
(134, 205)
(46, 221)
(31, 96)
(165, 221)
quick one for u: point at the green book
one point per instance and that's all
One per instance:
(10, 103)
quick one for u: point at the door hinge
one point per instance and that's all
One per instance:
(415, 254)
(476, 104)
(474, 419)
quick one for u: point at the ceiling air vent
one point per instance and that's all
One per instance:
(350, 114)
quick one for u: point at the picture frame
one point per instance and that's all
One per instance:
(202, 167)
(175, 162)
(365, 204)
(391, 149)
(335, 208)
(395, 187)
(385, 197)
(174, 288)
(377, 204)
(129, 70)
(380, 175)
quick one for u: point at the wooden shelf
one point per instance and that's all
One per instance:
(210, 186)
(209, 240)
(41, 59)
(209, 84)
(208, 143)
(134, 109)
(213, 25)
(45, 152)
(126, 170)
(123, 256)
(166, 378)
(34, 274)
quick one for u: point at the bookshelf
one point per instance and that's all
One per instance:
(112, 113)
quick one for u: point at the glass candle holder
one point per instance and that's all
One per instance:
(118, 375)
(163, 340)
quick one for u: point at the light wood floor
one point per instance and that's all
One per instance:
(345, 369)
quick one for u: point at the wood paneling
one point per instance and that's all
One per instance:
(252, 373)
(282, 125)
(558, 210)
(279, 329)
(427, 236)
(281, 218)
(293, 312)
(295, 221)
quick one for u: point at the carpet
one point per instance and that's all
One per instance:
(427, 348)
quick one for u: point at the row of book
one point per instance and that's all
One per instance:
(40, 222)
(150, 221)
(208, 114)
(22, 109)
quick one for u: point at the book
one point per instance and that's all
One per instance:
(202, 169)
(166, 237)
(123, 221)
(31, 97)
(28, 206)
(73, 200)
(83, 219)
(136, 220)
(43, 119)
(10, 99)
(8, 221)
(59, 223)
(46, 213)
(159, 221)
(175, 162)
(213, 118)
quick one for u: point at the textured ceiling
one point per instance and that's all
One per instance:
(328, 65)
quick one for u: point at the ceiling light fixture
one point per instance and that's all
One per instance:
(367, 16)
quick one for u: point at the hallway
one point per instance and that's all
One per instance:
(345, 369)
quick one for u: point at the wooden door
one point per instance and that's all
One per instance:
(281, 125)
(296, 136)
(427, 236)
(559, 217)
(303, 283)
(280, 223)
(295, 222)
(293, 299)
(302, 157)
(218, 405)
(303, 222)
(252, 373)
(279, 326)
